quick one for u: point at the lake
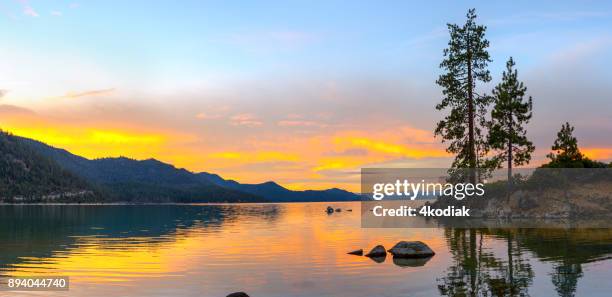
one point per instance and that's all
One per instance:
(292, 249)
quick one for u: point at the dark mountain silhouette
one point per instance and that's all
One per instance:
(35, 172)
(147, 179)
(275, 192)
(28, 176)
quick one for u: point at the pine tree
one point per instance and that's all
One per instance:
(565, 149)
(465, 62)
(510, 113)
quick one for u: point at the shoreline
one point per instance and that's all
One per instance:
(177, 203)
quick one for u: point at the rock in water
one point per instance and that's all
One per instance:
(377, 251)
(338, 210)
(380, 259)
(329, 209)
(238, 294)
(358, 252)
(411, 249)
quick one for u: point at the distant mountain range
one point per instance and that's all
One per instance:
(124, 179)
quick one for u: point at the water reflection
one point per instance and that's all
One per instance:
(478, 271)
(287, 250)
(406, 262)
(107, 243)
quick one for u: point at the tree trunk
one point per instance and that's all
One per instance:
(510, 133)
(471, 146)
(510, 160)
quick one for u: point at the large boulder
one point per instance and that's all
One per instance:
(377, 251)
(411, 249)
(238, 294)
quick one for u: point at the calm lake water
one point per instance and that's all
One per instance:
(297, 249)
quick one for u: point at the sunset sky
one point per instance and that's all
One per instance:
(302, 93)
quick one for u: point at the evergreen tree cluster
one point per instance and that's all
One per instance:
(566, 153)
(486, 132)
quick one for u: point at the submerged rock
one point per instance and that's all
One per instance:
(338, 210)
(238, 294)
(379, 259)
(377, 251)
(349, 209)
(329, 209)
(411, 249)
(358, 252)
(410, 262)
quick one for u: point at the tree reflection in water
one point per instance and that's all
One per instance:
(478, 271)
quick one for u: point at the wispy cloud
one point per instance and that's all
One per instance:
(300, 123)
(12, 110)
(207, 116)
(27, 9)
(582, 49)
(245, 119)
(56, 13)
(214, 112)
(74, 95)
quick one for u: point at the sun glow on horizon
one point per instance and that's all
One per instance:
(320, 161)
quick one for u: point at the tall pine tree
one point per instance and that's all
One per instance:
(509, 115)
(465, 62)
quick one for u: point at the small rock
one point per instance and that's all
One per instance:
(411, 249)
(329, 209)
(338, 210)
(358, 252)
(349, 209)
(238, 294)
(377, 251)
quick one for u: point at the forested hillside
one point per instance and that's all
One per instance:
(26, 176)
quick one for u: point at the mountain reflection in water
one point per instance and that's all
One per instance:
(287, 250)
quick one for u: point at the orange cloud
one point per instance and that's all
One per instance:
(393, 149)
(329, 158)
(93, 140)
(206, 116)
(249, 157)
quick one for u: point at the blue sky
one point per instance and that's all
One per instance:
(212, 82)
(340, 38)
